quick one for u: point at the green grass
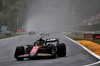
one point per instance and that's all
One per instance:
(74, 37)
(3, 36)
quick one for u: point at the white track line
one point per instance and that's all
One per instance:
(92, 64)
(96, 56)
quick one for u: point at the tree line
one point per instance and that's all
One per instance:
(13, 11)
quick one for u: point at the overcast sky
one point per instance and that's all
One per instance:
(57, 15)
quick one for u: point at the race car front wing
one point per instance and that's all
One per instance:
(33, 55)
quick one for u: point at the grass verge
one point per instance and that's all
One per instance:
(3, 36)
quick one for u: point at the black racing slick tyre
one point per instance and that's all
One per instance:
(61, 50)
(19, 51)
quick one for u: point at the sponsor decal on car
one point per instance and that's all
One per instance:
(51, 39)
(43, 54)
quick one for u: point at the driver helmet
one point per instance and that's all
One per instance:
(40, 42)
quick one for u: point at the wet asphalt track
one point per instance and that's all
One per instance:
(76, 56)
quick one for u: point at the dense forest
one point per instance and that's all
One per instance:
(12, 13)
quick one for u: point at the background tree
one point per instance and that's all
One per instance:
(11, 11)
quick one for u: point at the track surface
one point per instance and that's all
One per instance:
(76, 55)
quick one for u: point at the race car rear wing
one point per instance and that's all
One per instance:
(52, 40)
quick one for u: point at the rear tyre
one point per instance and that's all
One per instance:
(19, 51)
(61, 50)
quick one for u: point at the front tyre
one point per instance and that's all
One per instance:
(19, 51)
(61, 50)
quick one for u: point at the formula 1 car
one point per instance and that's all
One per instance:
(44, 33)
(41, 48)
(31, 33)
